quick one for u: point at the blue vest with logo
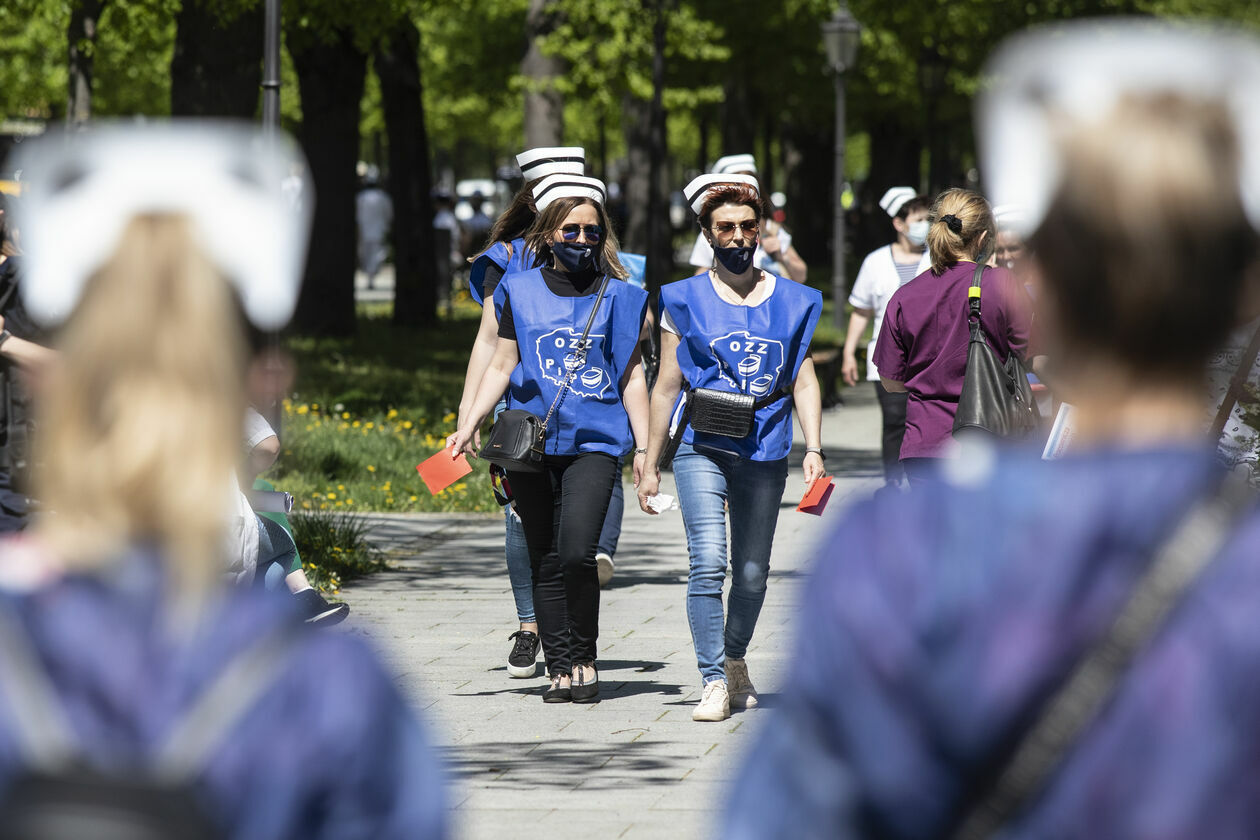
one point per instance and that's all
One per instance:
(590, 417)
(497, 254)
(753, 350)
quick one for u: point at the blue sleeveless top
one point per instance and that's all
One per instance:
(753, 350)
(497, 254)
(590, 417)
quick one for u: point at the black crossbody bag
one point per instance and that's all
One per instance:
(517, 440)
(713, 412)
(996, 397)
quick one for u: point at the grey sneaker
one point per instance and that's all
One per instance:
(715, 704)
(743, 695)
(604, 563)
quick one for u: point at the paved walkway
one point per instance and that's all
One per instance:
(633, 765)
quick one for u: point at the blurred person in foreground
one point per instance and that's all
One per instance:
(925, 652)
(119, 595)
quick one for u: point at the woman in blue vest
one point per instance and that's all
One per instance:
(506, 254)
(734, 328)
(600, 416)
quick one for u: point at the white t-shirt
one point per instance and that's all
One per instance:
(876, 281)
(702, 254)
(257, 429)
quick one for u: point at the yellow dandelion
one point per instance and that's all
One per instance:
(449, 417)
(355, 424)
(314, 406)
(393, 412)
(371, 468)
(303, 409)
(349, 501)
(341, 487)
(406, 424)
(331, 496)
(369, 425)
(413, 498)
(344, 426)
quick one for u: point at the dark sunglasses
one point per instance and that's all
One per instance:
(593, 232)
(727, 228)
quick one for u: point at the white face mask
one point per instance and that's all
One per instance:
(917, 232)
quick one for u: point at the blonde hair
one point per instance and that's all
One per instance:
(538, 238)
(957, 223)
(141, 417)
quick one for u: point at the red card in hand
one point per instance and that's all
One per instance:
(816, 496)
(440, 470)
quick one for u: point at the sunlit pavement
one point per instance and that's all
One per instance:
(633, 765)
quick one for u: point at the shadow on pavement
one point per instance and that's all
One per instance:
(565, 763)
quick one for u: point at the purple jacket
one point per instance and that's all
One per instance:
(329, 751)
(923, 344)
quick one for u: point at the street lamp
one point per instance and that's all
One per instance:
(841, 35)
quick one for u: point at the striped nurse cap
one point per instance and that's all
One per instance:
(552, 160)
(735, 163)
(696, 192)
(568, 186)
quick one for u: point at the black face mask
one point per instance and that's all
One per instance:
(735, 260)
(573, 256)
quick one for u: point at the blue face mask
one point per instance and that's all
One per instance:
(735, 260)
(573, 256)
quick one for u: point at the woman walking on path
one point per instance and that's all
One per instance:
(507, 253)
(922, 346)
(735, 329)
(601, 415)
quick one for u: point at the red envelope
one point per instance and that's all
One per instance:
(816, 496)
(440, 470)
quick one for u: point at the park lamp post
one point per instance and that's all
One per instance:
(841, 35)
(271, 68)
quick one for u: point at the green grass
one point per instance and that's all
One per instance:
(366, 410)
(334, 548)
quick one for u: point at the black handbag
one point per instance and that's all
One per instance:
(517, 440)
(996, 397)
(713, 412)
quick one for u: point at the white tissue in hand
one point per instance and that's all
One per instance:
(662, 502)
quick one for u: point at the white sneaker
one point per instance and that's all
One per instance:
(604, 563)
(743, 695)
(714, 703)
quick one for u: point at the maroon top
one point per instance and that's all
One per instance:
(924, 339)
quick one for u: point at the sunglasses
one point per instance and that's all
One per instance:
(593, 232)
(728, 228)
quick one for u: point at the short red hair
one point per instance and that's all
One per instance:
(730, 194)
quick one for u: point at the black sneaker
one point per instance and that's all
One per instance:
(315, 610)
(523, 660)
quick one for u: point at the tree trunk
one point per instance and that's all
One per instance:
(660, 263)
(636, 116)
(544, 105)
(330, 80)
(81, 40)
(216, 64)
(738, 125)
(418, 268)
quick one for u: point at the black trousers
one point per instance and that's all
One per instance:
(893, 408)
(562, 510)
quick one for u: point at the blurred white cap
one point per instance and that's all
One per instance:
(696, 191)
(735, 163)
(895, 199)
(1060, 80)
(235, 186)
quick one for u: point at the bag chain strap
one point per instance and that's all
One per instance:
(579, 359)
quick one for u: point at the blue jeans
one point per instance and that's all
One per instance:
(752, 491)
(611, 532)
(276, 552)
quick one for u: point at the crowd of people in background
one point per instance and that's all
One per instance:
(1049, 636)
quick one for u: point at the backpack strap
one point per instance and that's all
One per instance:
(1064, 718)
(38, 720)
(44, 735)
(1236, 383)
(223, 703)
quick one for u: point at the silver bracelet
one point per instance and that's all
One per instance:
(816, 450)
(640, 452)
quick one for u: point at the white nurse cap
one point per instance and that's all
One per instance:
(696, 192)
(895, 199)
(568, 186)
(1060, 80)
(237, 188)
(551, 160)
(735, 163)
